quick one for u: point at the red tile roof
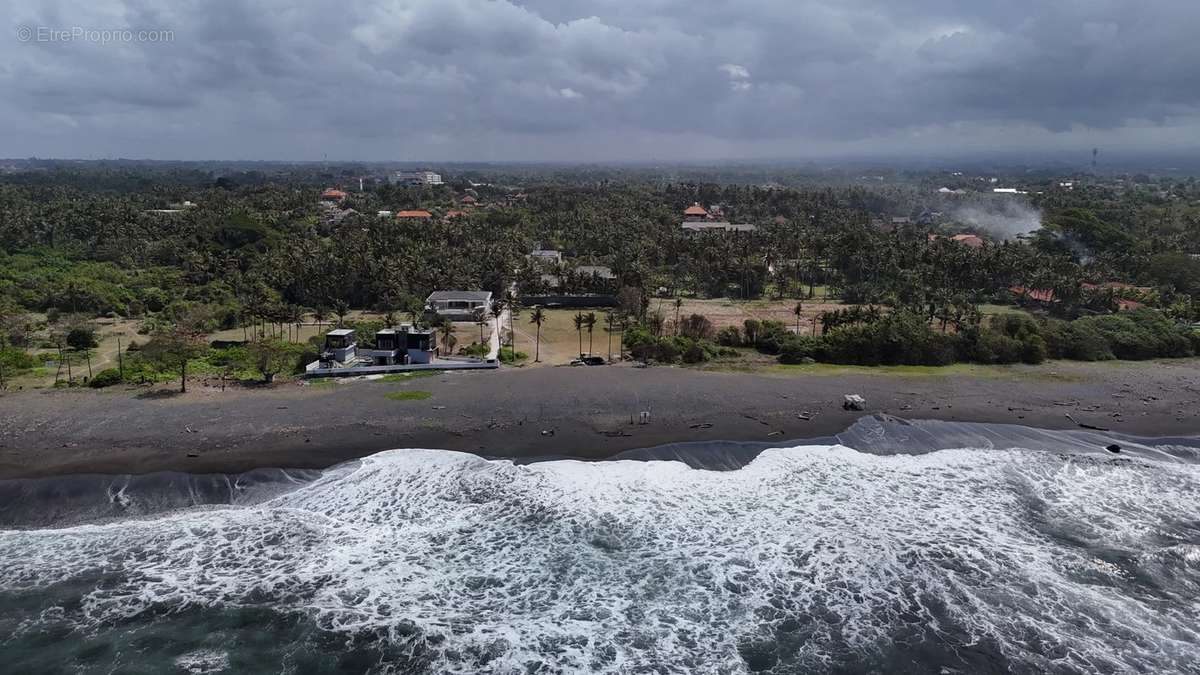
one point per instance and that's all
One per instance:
(695, 210)
(1124, 305)
(332, 193)
(1039, 294)
(969, 240)
(414, 214)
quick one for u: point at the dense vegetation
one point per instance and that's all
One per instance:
(255, 248)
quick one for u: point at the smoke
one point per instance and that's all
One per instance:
(1002, 219)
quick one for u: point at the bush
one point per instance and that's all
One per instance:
(900, 338)
(695, 353)
(507, 355)
(750, 328)
(993, 347)
(730, 336)
(14, 359)
(696, 327)
(771, 336)
(105, 378)
(800, 348)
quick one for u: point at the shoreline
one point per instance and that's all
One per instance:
(566, 413)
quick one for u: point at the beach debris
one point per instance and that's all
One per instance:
(701, 425)
(1067, 403)
(806, 416)
(189, 429)
(755, 419)
(547, 432)
(775, 433)
(1113, 448)
(193, 454)
(1086, 426)
(644, 417)
(439, 407)
(853, 402)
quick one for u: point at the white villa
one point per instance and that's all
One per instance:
(459, 305)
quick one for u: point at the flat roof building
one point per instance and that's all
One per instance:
(459, 305)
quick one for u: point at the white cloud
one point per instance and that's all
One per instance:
(734, 71)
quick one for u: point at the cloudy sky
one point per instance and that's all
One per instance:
(595, 80)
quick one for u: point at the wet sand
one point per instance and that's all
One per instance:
(586, 413)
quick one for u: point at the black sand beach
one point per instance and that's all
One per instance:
(586, 413)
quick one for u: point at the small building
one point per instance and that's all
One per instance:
(333, 196)
(459, 305)
(715, 226)
(451, 215)
(417, 214)
(415, 178)
(547, 256)
(341, 346)
(469, 201)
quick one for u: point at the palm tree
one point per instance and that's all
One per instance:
(579, 321)
(536, 318)
(590, 322)
(297, 317)
(482, 323)
(610, 322)
(797, 310)
(446, 332)
(320, 314)
(341, 308)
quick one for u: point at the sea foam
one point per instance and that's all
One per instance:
(812, 558)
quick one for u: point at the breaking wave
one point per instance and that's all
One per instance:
(814, 558)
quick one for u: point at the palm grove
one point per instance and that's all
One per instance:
(259, 253)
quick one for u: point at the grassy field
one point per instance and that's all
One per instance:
(1050, 371)
(407, 395)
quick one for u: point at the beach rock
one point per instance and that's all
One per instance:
(853, 402)
(1114, 448)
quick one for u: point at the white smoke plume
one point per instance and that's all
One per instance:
(1001, 219)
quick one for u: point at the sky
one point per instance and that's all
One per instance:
(596, 80)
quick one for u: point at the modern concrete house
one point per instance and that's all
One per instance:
(341, 346)
(402, 346)
(459, 305)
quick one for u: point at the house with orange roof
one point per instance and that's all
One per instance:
(333, 196)
(695, 212)
(414, 214)
(972, 240)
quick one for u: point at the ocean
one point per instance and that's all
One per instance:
(896, 547)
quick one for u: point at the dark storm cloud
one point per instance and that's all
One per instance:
(608, 78)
